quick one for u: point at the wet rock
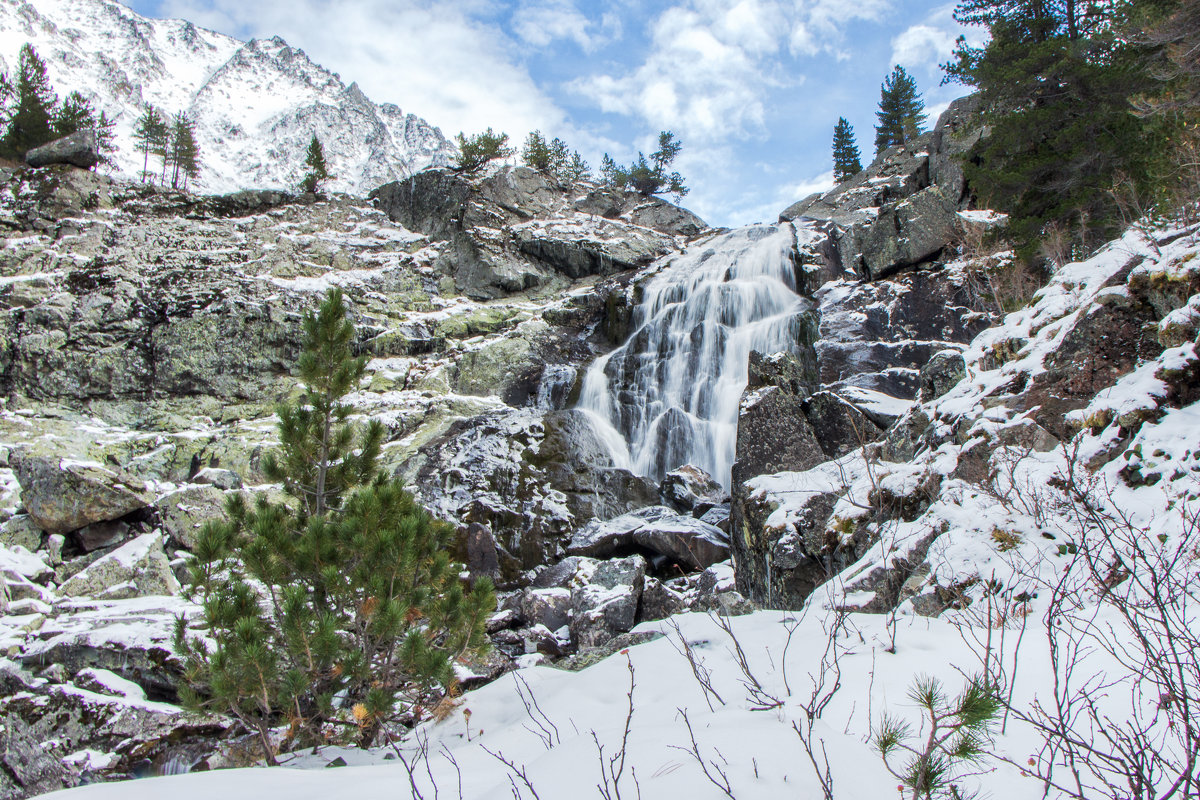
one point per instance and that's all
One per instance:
(773, 435)
(691, 490)
(606, 604)
(141, 565)
(78, 150)
(549, 607)
(594, 655)
(141, 735)
(840, 426)
(27, 766)
(1108, 342)
(778, 566)
(660, 601)
(683, 539)
(131, 638)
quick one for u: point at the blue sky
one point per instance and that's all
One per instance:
(752, 88)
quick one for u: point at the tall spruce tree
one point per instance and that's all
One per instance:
(151, 135)
(847, 160)
(34, 104)
(901, 114)
(342, 605)
(318, 170)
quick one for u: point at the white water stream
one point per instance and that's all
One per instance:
(669, 396)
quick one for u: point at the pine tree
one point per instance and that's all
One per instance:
(151, 136)
(560, 157)
(1063, 146)
(318, 170)
(901, 111)
(611, 173)
(577, 169)
(535, 154)
(343, 606)
(847, 160)
(477, 150)
(34, 103)
(183, 152)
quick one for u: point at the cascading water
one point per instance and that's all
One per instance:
(669, 396)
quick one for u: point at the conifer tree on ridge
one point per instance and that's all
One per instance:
(847, 160)
(901, 111)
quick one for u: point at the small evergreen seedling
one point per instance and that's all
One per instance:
(956, 733)
(341, 605)
(318, 170)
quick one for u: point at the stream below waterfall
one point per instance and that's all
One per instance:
(669, 395)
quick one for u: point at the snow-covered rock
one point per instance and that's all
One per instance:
(138, 568)
(63, 495)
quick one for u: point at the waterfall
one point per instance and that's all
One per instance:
(670, 393)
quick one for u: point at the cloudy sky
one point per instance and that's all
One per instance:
(752, 88)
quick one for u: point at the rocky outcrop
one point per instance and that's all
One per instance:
(512, 228)
(903, 209)
(134, 569)
(683, 540)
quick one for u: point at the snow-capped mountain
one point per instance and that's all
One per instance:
(256, 104)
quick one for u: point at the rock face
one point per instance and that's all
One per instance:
(137, 568)
(62, 495)
(512, 228)
(903, 209)
(77, 150)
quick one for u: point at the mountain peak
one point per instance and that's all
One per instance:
(256, 104)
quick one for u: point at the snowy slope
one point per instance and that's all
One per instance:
(256, 103)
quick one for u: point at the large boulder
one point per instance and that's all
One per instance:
(64, 495)
(79, 150)
(605, 604)
(682, 539)
(184, 512)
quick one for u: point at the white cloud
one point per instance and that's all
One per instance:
(541, 23)
(925, 46)
(819, 25)
(440, 60)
